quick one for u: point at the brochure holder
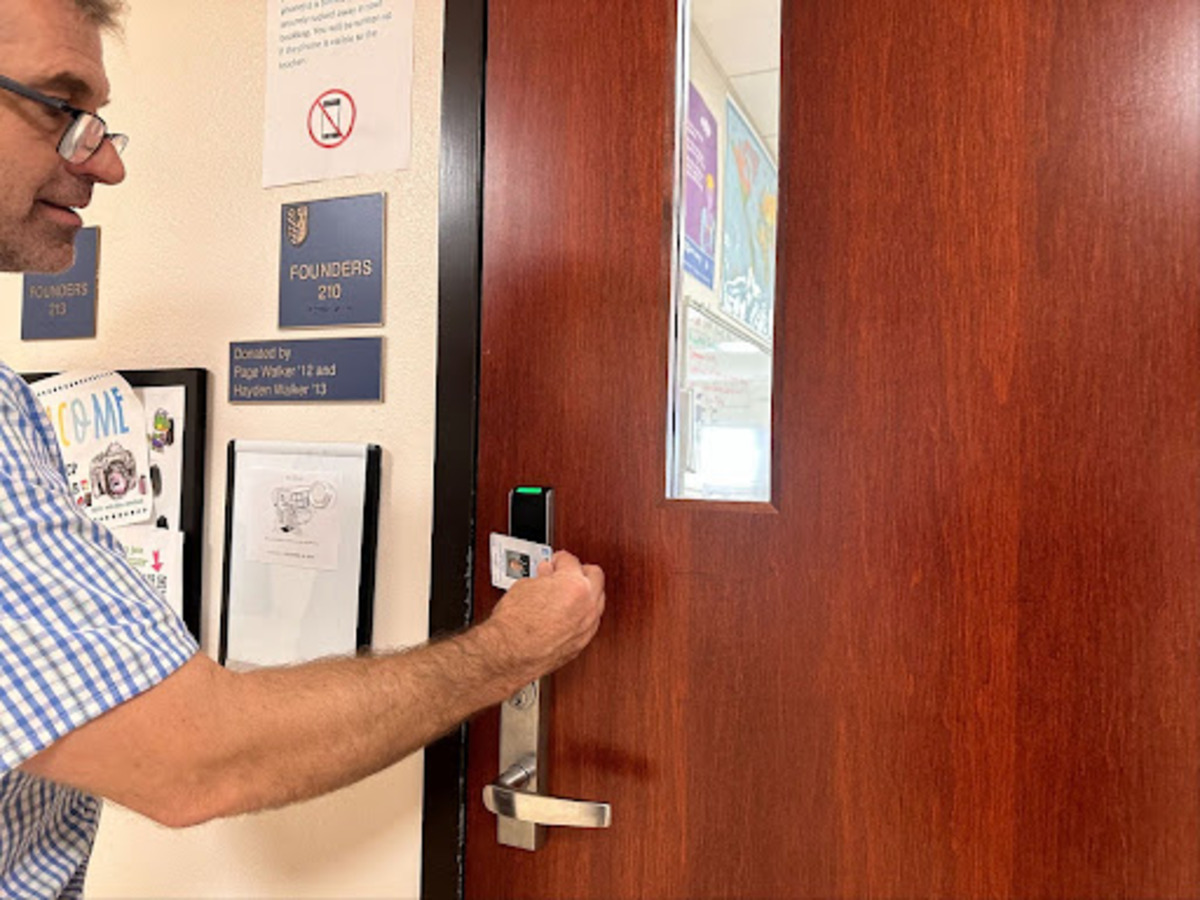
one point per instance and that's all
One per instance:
(301, 529)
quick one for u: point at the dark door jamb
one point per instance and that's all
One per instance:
(460, 239)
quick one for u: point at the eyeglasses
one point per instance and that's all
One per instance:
(86, 133)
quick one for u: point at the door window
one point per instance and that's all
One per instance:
(724, 280)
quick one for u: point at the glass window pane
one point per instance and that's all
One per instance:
(724, 285)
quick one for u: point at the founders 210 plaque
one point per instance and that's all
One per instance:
(331, 262)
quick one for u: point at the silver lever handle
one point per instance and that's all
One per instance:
(505, 798)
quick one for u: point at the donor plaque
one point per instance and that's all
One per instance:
(331, 262)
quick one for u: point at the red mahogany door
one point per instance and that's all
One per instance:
(958, 653)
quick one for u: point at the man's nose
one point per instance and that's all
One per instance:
(104, 166)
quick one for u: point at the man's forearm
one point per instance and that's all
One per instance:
(208, 742)
(337, 721)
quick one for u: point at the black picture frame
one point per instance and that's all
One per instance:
(194, 441)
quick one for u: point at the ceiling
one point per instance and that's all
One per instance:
(744, 37)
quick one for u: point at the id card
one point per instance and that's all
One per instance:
(514, 559)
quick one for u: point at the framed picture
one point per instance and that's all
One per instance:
(169, 550)
(301, 529)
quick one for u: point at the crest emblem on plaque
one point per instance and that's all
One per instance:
(297, 224)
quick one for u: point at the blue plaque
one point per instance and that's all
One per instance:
(64, 305)
(306, 371)
(331, 262)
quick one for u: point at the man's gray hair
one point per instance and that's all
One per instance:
(105, 13)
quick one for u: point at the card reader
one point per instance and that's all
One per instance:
(531, 513)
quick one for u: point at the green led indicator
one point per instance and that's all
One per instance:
(529, 490)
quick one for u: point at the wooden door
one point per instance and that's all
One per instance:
(958, 654)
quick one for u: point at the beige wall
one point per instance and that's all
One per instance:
(189, 250)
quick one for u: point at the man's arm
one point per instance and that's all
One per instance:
(207, 742)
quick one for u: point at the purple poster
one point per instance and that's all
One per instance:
(700, 190)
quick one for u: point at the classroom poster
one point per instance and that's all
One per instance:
(750, 208)
(700, 191)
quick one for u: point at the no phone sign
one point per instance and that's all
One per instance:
(331, 119)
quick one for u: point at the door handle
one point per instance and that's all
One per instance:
(505, 797)
(517, 797)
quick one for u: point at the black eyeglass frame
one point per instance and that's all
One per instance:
(119, 141)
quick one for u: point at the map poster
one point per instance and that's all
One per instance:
(700, 191)
(748, 219)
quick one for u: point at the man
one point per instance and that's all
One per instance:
(102, 692)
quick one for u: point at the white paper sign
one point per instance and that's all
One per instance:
(101, 432)
(339, 88)
(157, 554)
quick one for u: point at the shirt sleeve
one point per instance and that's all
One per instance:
(80, 630)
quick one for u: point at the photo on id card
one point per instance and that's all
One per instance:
(513, 559)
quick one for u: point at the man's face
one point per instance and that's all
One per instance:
(50, 46)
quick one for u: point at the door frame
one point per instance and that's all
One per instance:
(460, 249)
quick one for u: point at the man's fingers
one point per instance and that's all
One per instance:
(564, 561)
(595, 575)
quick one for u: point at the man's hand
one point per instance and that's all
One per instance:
(542, 623)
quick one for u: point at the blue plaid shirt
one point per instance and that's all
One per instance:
(80, 633)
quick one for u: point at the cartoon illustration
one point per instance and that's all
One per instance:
(294, 505)
(114, 472)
